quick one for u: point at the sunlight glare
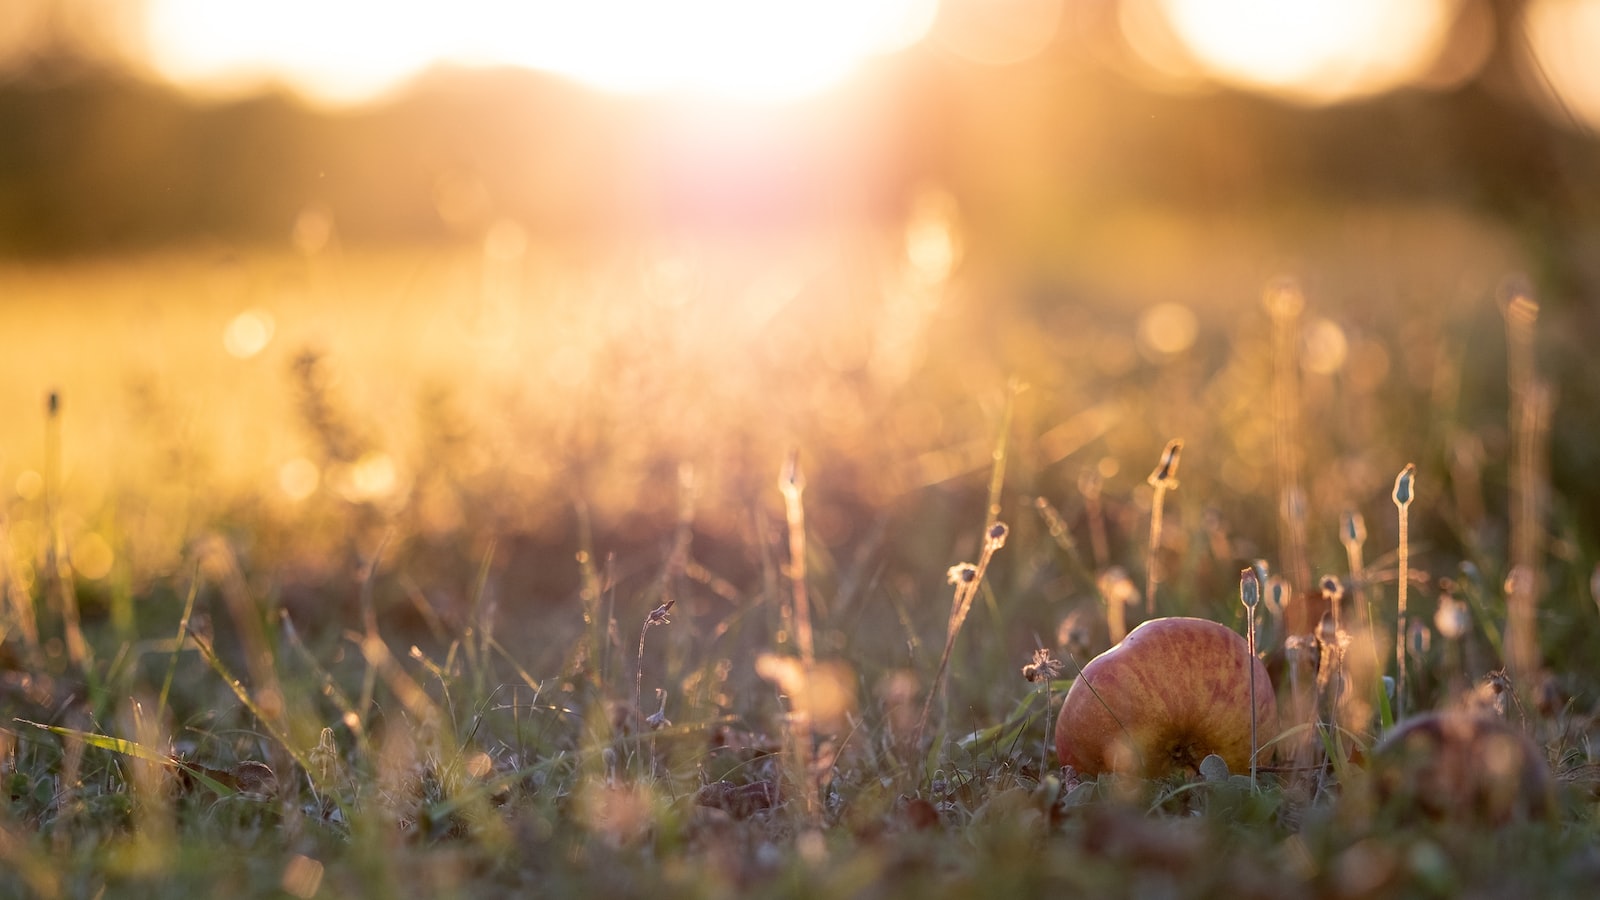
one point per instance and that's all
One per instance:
(998, 32)
(356, 50)
(933, 244)
(1565, 35)
(335, 52)
(1312, 51)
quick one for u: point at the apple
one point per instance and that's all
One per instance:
(1173, 692)
(1462, 766)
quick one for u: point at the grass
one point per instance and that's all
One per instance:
(416, 676)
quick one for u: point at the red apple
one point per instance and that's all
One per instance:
(1462, 766)
(1173, 692)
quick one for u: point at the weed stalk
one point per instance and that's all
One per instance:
(966, 577)
(1250, 596)
(1284, 303)
(1529, 424)
(791, 484)
(1163, 479)
(1089, 485)
(1043, 669)
(57, 564)
(1404, 490)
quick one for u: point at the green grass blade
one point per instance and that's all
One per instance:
(133, 749)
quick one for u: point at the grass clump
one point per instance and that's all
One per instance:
(419, 682)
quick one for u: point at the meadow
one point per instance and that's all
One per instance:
(522, 566)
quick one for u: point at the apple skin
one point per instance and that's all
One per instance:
(1464, 767)
(1174, 691)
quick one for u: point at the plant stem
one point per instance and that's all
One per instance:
(1404, 491)
(1529, 423)
(1255, 743)
(1163, 479)
(966, 578)
(1284, 303)
(792, 485)
(1250, 596)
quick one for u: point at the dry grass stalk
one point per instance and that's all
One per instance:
(1250, 596)
(1060, 532)
(1163, 479)
(791, 484)
(1043, 669)
(1300, 661)
(1529, 423)
(1332, 642)
(661, 615)
(677, 563)
(1353, 534)
(1404, 492)
(1116, 591)
(966, 578)
(1330, 646)
(57, 565)
(1089, 485)
(1284, 303)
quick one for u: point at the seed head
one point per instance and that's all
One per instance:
(1332, 589)
(1249, 588)
(962, 573)
(1278, 593)
(1263, 570)
(1116, 586)
(1403, 485)
(790, 482)
(661, 615)
(1166, 471)
(997, 535)
(1044, 667)
(658, 719)
(1418, 639)
(1452, 618)
(1520, 309)
(1490, 693)
(1298, 647)
(1352, 528)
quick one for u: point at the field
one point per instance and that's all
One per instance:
(545, 567)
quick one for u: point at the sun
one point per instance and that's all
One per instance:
(355, 50)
